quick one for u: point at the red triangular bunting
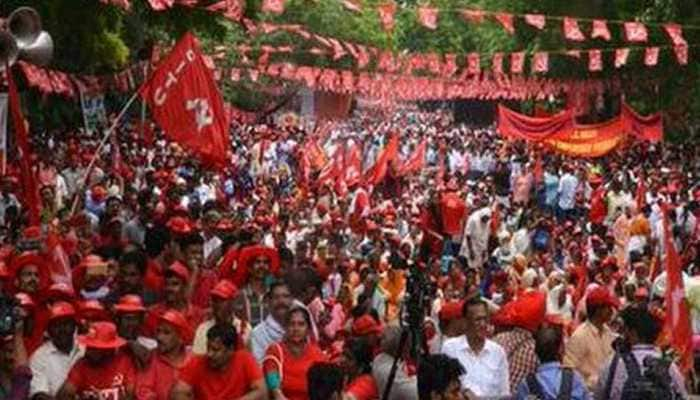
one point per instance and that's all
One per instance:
(540, 62)
(651, 56)
(473, 64)
(600, 30)
(536, 20)
(635, 32)
(517, 62)
(621, 56)
(497, 63)
(681, 52)
(473, 16)
(675, 33)
(506, 20)
(595, 60)
(386, 15)
(428, 17)
(273, 6)
(572, 31)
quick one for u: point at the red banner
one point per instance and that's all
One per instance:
(649, 128)
(519, 126)
(594, 140)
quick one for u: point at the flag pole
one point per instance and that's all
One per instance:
(103, 141)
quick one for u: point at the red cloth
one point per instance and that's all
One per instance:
(649, 128)
(154, 279)
(598, 210)
(206, 280)
(155, 382)
(378, 171)
(454, 211)
(519, 126)
(108, 381)
(187, 103)
(294, 383)
(353, 165)
(30, 189)
(232, 382)
(363, 388)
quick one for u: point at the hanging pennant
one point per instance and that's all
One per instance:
(449, 68)
(621, 56)
(600, 30)
(473, 16)
(595, 60)
(497, 63)
(681, 52)
(386, 15)
(352, 5)
(635, 32)
(536, 20)
(517, 62)
(506, 20)
(540, 62)
(428, 17)
(473, 64)
(572, 30)
(273, 6)
(675, 33)
(651, 56)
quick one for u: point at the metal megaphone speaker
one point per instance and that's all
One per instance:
(34, 44)
(8, 50)
(25, 25)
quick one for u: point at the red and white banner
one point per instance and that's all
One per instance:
(635, 32)
(386, 15)
(428, 17)
(572, 30)
(186, 102)
(600, 30)
(651, 56)
(536, 20)
(595, 60)
(621, 56)
(507, 22)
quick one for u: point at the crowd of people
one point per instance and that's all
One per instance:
(153, 276)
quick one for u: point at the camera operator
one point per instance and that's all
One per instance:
(640, 331)
(15, 375)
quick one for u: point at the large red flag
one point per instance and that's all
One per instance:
(677, 327)
(334, 169)
(186, 103)
(415, 161)
(353, 165)
(378, 171)
(29, 185)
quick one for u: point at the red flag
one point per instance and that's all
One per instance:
(572, 30)
(681, 52)
(415, 161)
(428, 17)
(517, 62)
(334, 169)
(186, 103)
(675, 33)
(635, 32)
(386, 15)
(473, 16)
(473, 64)
(595, 60)
(28, 180)
(677, 324)
(497, 63)
(540, 62)
(353, 165)
(273, 6)
(600, 30)
(651, 56)
(536, 20)
(59, 265)
(621, 56)
(506, 20)
(352, 5)
(378, 171)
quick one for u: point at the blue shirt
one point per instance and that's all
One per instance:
(549, 377)
(568, 184)
(551, 186)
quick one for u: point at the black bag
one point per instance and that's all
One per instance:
(654, 383)
(565, 388)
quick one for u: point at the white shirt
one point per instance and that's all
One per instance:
(487, 372)
(50, 367)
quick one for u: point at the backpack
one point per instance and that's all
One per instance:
(565, 388)
(654, 383)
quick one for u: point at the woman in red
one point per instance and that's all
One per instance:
(286, 363)
(356, 361)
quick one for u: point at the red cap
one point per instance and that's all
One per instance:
(450, 311)
(61, 309)
(102, 335)
(366, 325)
(180, 225)
(131, 303)
(178, 320)
(92, 310)
(224, 290)
(98, 193)
(60, 291)
(32, 233)
(601, 296)
(527, 311)
(25, 301)
(180, 270)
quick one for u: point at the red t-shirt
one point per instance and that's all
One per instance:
(111, 381)
(363, 388)
(294, 383)
(234, 381)
(154, 279)
(156, 381)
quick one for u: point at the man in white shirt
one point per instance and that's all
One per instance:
(568, 184)
(271, 329)
(485, 361)
(52, 361)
